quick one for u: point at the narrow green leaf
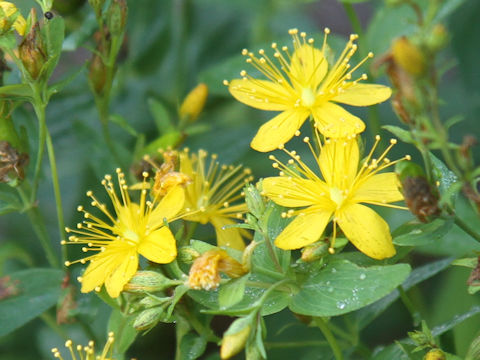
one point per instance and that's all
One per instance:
(59, 86)
(232, 292)
(192, 346)
(37, 290)
(447, 179)
(17, 91)
(168, 140)
(402, 134)
(160, 116)
(342, 287)
(123, 123)
(11, 250)
(122, 327)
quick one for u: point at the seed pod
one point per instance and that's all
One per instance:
(117, 17)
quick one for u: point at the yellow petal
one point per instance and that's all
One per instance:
(294, 192)
(333, 121)
(122, 274)
(363, 94)
(303, 230)
(308, 67)
(379, 188)
(278, 130)
(339, 162)
(160, 246)
(169, 206)
(230, 237)
(366, 230)
(97, 272)
(262, 94)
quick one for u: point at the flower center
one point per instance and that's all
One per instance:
(131, 235)
(308, 97)
(337, 196)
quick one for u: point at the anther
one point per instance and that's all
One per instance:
(225, 82)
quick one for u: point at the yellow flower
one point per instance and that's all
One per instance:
(302, 85)
(11, 17)
(87, 352)
(211, 192)
(337, 197)
(133, 228)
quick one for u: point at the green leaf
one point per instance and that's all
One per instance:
(402, 134)
(17, 91)
(457, 319)
(447, 7)
(53, 33)
(342, 287)
(160, 116)
(37, 289)
(11, 250)
(122, 327)
(59, 86)
(232, 292)
(366, 315)
(466, 262)
(414, 233)
(9, 200)
(192, 346)
(448, 180)
(168, 140)
(123, 123)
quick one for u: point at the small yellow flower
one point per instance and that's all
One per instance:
(205, 271)
(194, 102)
(133, 228)
(302, 85)
(337, 197)
(87, 352)
(10, 18)
(212, 191)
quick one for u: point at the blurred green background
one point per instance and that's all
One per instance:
(171, 46)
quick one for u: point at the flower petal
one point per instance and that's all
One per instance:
(379, 188)
(366, 230)
(278, 130)
(363, 94)
(308, 67)
(122, 274)
(333, 121)
(97, 271)
(160, 246)
(338, 162)
(303, 230)
(230, 237)
(168, 207)
(262, 94)
(295, 192)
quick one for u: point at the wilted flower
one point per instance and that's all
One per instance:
(337, 197)
(301, 84)
(133, 228)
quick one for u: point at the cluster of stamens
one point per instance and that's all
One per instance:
(86, 352)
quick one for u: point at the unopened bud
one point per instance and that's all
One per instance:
(187, 254)
(148, 281)
(435, 354)
(97, 74)
(235, 337)
(10, 18)
(438, 38)
(255, 201)
(97, 6)
(194, 102)
(32, 50)
(247, 255)
(117, 17)
(408, 56)
(315, 251)
(147, 319)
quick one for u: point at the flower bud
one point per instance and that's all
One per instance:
(438, 38)
(235, 338)
(97, 6)
(408, 56)
(117, 17)
(32, 50)
(435, 354)
(97, 74)
(148, 281)
(194, 102)
(187, 254)
(315, 251)
(255, 201)
(148, 319)
(10, 18)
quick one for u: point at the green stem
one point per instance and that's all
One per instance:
(271, 252)
(414, 313)
(58, 195)
(323, 326)
(52, 324)
(39, 107)
(39, 228)
(355, 22)
(465, 227)
(294, 344)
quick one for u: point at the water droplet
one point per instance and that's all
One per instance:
(334, 271)
(362, 276)
(330, 289)
(341, 305)
(328, 283)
